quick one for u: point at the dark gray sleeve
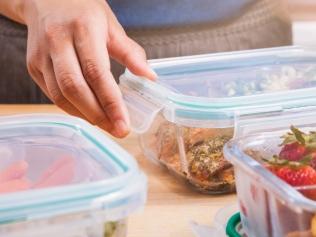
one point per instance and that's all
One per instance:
(16, 86)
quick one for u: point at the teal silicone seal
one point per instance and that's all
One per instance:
(232, 224)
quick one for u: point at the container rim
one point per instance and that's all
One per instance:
(152, 89)
(82, 193)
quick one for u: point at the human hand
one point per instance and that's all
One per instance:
(68, 50)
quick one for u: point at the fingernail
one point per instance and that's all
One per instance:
(154, 75)
(121, 128)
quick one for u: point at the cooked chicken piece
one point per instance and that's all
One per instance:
(206, 158)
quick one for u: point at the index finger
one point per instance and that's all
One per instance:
(126, 51)
(95, 64)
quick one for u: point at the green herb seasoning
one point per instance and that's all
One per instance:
(206, 159)
(110, 229)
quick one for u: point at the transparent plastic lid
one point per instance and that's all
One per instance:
(55, 164)
(225, 76)
(213, 87)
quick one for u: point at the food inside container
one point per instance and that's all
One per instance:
(186, 116)
(60, 176)
(204, 162)
(274, 163)
(295, 163)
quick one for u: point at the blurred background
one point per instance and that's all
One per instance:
(265, 23)
(303, 13)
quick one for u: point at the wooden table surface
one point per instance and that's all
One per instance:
(171, 205)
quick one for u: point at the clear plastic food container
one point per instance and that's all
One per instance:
(186, 116)
(60, 176)
(275, 174)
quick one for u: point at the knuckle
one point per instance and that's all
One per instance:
(98, 120)
(126, 56)
(141, 50)
(79, 24)
(54, 34)
(82, 24)
(57, 97)
(110, 106)
(133, 49)
(69, 85)
(137, 47)
(32, 58)
(32, 65)
(118, 36)
(92, 72)
(51, 31)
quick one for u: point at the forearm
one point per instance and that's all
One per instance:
(12, 9)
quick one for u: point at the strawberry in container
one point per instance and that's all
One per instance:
(60, 176)
(276, 153)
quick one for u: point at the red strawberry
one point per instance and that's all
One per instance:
(293, 151)
(296, 176)
(299, 176)
(296, 162)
